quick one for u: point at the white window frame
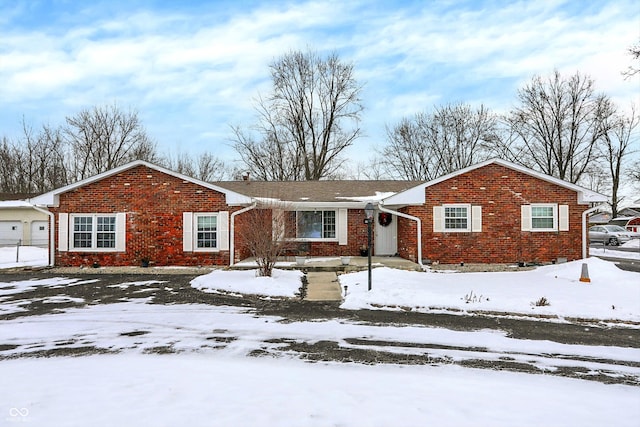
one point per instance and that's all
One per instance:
(197, 215)
(468, 218)
(337, 226)
(527, 217)
(119, 232)
(190, 231)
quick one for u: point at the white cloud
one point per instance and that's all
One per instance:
(194, 72)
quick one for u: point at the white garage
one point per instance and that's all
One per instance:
(39, 233)
(10, 232)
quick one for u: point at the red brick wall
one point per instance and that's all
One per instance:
(501, 192)
(154, 203)
(356, 238)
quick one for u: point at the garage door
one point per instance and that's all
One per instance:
(10, 232)
(39, 233)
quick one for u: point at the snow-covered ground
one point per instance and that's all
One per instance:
(27, 256)
(614, 252)
(611, 294)
(204, 390)
(211, 380)
(283, 283)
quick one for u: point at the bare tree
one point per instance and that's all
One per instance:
(368, 170)
(104, 137)
(34, 163)
(634, 172)
(9, 167)
(558, 124)
(617, 136)
(205, 167)
(263, 233)
(311, 115)
(634, 69)
(429, 145)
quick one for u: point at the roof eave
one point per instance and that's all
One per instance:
(416, 195)
(52, 197)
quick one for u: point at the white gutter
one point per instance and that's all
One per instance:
(413, 218)
(232, 232)
(585, 235)
(52, 229)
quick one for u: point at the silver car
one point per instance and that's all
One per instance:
(613, 235)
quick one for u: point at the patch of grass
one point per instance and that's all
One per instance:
(471, 297)
(542, 302)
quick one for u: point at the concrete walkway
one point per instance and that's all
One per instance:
(323, 286)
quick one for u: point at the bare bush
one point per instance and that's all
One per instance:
(263, 233)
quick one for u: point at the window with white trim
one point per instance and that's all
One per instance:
(93, 232)
(316, 224)
(543, 217)
(457, 217)
(206, 231)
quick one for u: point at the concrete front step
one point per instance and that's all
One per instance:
(323, 286)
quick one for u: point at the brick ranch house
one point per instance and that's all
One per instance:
(492, 212)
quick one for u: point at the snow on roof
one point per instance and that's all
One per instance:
(314, 192)
(7, 204)
(374, 198)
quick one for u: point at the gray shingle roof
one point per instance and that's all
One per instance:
(316, 191)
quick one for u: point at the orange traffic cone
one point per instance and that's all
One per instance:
(584, 276)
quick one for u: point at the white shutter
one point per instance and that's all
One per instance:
(438, 219)
(121, 232)
(63, 232)
(223, 230)
(476, 219)
(342, 226)
(525, 217)
(563, 217)
(187, 231)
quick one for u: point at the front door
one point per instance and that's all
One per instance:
(386, 234)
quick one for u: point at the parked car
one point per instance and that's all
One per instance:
(613, 235)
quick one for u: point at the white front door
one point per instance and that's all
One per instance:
(386, 236)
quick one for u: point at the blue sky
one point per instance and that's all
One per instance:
(193, 68)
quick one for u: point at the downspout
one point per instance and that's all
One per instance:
(232, 232)
(585, 235)
(52, 231)
(412, 218)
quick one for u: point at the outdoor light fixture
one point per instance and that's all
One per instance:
(368, 219)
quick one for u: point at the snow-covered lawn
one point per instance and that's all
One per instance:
(212, 381)
(28, 256)
(613, 252)
(612, 294)
(203, 390)
(283, 283)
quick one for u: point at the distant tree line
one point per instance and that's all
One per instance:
(90, 142)
(559, 126)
